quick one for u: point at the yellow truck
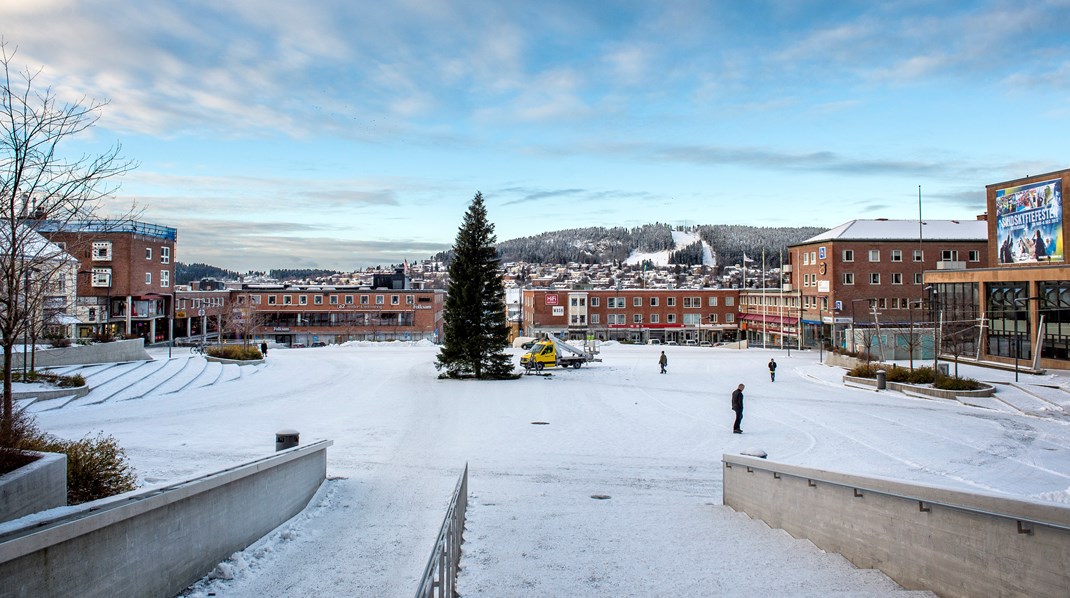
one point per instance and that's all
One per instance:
(553, 352)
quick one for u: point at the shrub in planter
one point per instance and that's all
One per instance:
(864, 370)
(921, 375)
(952, 383)
(898, 374)
(96, 467)
(103, 337)
(236, 352)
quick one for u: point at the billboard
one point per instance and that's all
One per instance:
(1029, 223)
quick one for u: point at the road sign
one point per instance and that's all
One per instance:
(200, 312)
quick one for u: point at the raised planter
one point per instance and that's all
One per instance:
(34, 487)
(45, 395)
(939, 393)
(235, 361)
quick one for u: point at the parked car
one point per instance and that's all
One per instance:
(672, 343)
(297, 346)
(654, 341)
(705, 344)
(690, 343)
(319, 344)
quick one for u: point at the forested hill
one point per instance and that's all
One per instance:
(605, 245)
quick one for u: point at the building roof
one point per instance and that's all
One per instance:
(883, 229)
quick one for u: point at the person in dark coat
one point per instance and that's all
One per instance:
(772, 370)
(663, 361)
(263, 348)
(1039, 249)
(737, 406)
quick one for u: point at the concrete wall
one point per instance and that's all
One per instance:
(157, 542)
(924, 537)
(113, 352)
(38, 486)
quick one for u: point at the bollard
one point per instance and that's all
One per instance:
(285, 439)
(882, 380)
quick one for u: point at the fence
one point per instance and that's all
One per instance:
(951, 542)
(439, 579)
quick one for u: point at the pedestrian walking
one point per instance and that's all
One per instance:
(772, 370)
(737, 406)
(263, 348)
(663, 361)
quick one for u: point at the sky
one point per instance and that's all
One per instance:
(336, 134)
(652, 443)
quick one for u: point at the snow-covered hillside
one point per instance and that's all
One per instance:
(681, 239)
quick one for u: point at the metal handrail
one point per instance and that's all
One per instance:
(923, 502)
(439, 579)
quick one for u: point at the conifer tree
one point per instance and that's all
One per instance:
(475, 332)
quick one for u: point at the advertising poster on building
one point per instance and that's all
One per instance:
(1029, 223)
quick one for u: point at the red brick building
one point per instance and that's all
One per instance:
(306, 314)
(125, 275)
(637, 315)
(868, 271)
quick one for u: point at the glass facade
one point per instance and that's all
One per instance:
(955, 309)
(1007, 306)
(1054, 317)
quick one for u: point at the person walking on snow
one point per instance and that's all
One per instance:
(772, 370)
(663, 361)
(737, 406)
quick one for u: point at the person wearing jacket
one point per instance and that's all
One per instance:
(737, 406)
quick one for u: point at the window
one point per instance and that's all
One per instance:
(334, 300)
(271, 299)
(101, 251)
(917, 278)
(806, 258)
(596, 318)
(256, 299)
(874, 255)
(897, 255)
(101, 277)
(729, 318)
(813, 257)
(148, 278)
(395, 300)
(897, 278)
(670, 318)
(317, 300)
(575, 301)
(919, 255)
(655, 318)
(409, 300)
(694, 302)
(363, 299)
(729, 301)
(670, 301)
(637, 302)
(594, 303)
(165, 278)
(713, 301)
(302, 299)
(974, 255)
(349, 299)
(692, 319)
(379, 299)
(287, 300)
(165, 255)
(148, 253)
(615, 302)
(882, 303)
(616, 319)
(848, 278)
(653, 302)
(713, 318)
(637, 318)
(874, 278)
(949, 255)
(848, 255)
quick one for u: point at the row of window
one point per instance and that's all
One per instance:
(621, 319)
(102, 278)
(620, 302)
(332, 300)
(881, 303)
(102, 252)
(918, 255)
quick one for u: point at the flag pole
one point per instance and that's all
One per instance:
(765, 325)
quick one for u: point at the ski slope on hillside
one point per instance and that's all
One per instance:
(680, 239)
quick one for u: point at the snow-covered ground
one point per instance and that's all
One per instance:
(650, 442)
(680, 239)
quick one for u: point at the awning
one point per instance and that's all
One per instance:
(770, 319)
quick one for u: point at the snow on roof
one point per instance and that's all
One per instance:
(891, 230)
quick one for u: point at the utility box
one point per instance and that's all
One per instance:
(882, 380)
(285, 439)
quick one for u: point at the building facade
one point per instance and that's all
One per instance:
(1018, 310)
(869, 273)
(634, 315)
(124, 277)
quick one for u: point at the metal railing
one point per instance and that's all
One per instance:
(439, 579)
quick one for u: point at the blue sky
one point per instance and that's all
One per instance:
(345, 134)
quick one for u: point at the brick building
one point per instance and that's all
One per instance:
(636, 315)
(869, 273)
(1017, 311)
(305, 314)
(125, 275)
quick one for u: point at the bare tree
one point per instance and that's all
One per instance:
(40, 188)
(240, 319)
